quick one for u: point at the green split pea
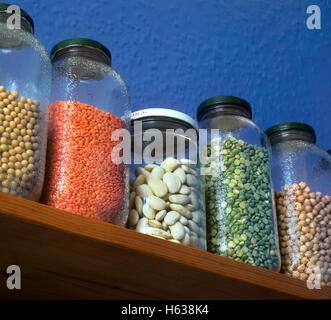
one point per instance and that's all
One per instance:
(240, 216)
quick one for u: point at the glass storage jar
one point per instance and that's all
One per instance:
(302, 180)
(165, 198)
(235, 164)
(90, 101)
(25, 79)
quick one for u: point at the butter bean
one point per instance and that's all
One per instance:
(144, 191)
(148, 212)
(157, 173)
(184, 190)
(181, 209)
(156, 203)
(169, 164)
(191, 180)
(187, 240)
(142, 225)
(183, 221)
(172, 217)
(180, 173)
(179, 198)
(155, 224)
(159, 232)
(172, 181)
(139, 205)
(158, 187)
(177, 231)
(194, 227)
(133, 217)
(160, 215)
(141, 179)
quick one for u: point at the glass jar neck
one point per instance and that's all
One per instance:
(82, 51)
(25, 25)
(225, 110)
(286, 135)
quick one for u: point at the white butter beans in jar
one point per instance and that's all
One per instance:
(165, 194)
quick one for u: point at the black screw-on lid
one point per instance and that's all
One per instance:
(75, 43)
(290, 126)
(223, 100)
(329, 151)
(24, 14)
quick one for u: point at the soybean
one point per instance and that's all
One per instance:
(18, 126)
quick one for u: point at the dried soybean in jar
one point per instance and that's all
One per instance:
(21, 145)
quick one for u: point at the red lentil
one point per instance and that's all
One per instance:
(80, 175)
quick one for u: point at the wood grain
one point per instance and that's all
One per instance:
(65, 256)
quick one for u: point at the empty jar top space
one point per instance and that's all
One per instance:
(291, 131)
(226, 105)
(81, 47)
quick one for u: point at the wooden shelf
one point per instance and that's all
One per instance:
(65, 256)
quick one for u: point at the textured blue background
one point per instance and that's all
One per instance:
(176, 53)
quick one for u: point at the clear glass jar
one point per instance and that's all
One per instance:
(25, 79)
(302, 180)
(235, 162)
(90, 102)
(165, 198)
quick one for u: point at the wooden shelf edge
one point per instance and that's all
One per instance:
(65, 256)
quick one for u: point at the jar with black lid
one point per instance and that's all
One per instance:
(25, 79)
(236, 167)
(302, 180)
(165, 197)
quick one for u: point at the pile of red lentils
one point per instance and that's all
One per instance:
(80, 174)
(304, 224)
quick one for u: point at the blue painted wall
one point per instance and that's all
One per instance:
(176, 53)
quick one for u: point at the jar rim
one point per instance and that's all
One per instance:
(223, 101)
(165, 113)
(287, 126)
(74, 44)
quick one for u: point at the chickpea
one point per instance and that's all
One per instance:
(15, 94)
(3, 95)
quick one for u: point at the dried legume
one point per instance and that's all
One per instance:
(165, 206)
(240, 217)
(305, 233)
(21, 125)
(80, 174)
